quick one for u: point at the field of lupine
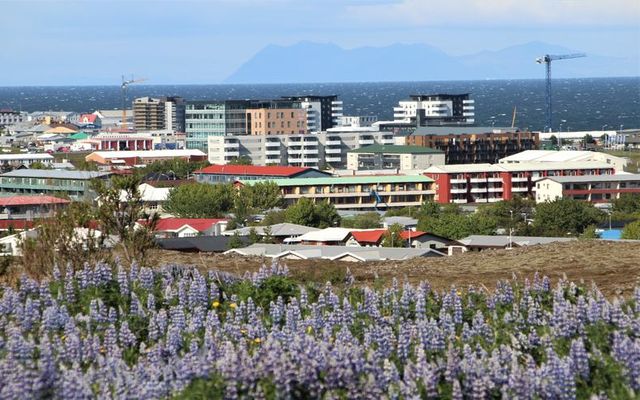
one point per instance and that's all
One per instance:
(111, 332)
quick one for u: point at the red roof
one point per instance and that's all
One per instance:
(91, 118)
(373, 236)
(252, 170)
(18, 224)
(199, 224)
(411, 234)
(30, 200)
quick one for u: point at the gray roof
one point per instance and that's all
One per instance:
(215, 244)
(503, 241)
(459, 130)
(404, 221)
(55, 174)
(283, 229)
(595, 178)
(335, 252)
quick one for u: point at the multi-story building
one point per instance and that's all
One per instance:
(323, 112)
(277, 117)
(30, 207)
(75, 184)
(10, 117)
(473, 145)
(120, 142)
(488, 183)
(25, 160)
(145, 157)
(595, 189)
(204, 119)
(400, 158)
(310, 150)
(162, 113)
(554, 156)
(357, 121)
(232, 173)
(363, 193)
(436, 109)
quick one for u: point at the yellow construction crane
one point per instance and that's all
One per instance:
(124, 87)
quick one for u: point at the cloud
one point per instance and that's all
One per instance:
(495, 13)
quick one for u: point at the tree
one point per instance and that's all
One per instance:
(175, 168)
(368, 220)
(564, 217)
(631, 231)
(120, 212)
(262, 195)
(200, 200)
(554, 140)
(242, 160)
(267, 235)
(274, 217)
(235, 241)
(403, 212)
(588, 139)
(253, 236)
(326, 215)
(510, 214)
(392, 237)
(628, 203)
(39, 165)
(305, 212)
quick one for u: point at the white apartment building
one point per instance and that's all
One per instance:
(309, 150)
(357, 121)
(436, 109)
(10, 117)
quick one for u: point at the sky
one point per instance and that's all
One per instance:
(94, 42)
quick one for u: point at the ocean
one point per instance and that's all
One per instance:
(579, 104)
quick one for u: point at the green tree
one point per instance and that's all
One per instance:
(174, 168)
(253, 236)
(274, 217)
(590, 233)
(628, 203)
(588, 139)
(368, 220)
(631, 231)
(200, 200)
(235, 241)
(263, 195)
(563, 217)
(392, 237)
(306, 212)
(267, 236)
(326, 215)
(510, 214)
(403, 212)
(554, 140)
(39, 165)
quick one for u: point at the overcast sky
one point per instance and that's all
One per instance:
(94, 41)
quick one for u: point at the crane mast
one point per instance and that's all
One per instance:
(546, 59)
(124, 88)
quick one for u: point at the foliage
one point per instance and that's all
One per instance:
(403, 212)
(253, 236)
(262, 195)
(101, 331)
(39, 165)
(554, 140)
(565, 217)
(590, 233)
(368, 220)
(267, 236)
(235, 241)
(627, 203)
(200, 200)
(631, 231)
(306, 212)
(274, 217)
(392, 237)
(510, 214)
(175, 168)
(588, 139)
(242, 160)
(451, 222)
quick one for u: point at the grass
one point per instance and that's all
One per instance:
(633, 155)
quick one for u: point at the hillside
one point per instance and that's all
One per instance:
(613, 266)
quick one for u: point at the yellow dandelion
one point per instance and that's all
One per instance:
(459, 292)
(233, 305)
(309, 329)
(257, 340)
(215, 304)
(63, 337)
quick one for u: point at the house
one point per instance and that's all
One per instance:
(152, 197)
(323, 237)
(232, 173)
(90, 121)
(11, 245)
(483, 242)
(333, 253)
(279, 232)
(30, 207)
(189, 227)
(425, 240)
(405, 222)
(207, 244)
(366, 238)
(18, 160)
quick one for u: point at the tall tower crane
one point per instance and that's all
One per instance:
(124, 89)
(546, 59)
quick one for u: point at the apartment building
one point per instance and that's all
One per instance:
(489, 183)
(401, 158)
(546, 156)
(357, 121)
(594, 189)
(310, 150)
(164, 113)
(10, 117)
(473, 145)
(75, 184)
(436, 109)
(323, 112)
(204, 119)
(359, 193)
(276, 118)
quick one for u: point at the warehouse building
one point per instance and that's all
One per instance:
(400, 158)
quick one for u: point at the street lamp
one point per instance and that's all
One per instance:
(511, 230)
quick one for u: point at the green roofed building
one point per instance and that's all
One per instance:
(360, 193)
(79, 136)
(399, 158)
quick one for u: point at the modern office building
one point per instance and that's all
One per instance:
(436, 109)
(323, 112)
(400, 158)
(362, 193)
(276, 117)
(75, 184)
(489, 183)
(309, 150)
(204, 119)
(594, 189)
(471, 145)
(164, 113)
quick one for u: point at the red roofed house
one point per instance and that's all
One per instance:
(30, 207)
(92, 120)
(417, 239)
(368, 238)
(232, 173)
(189, 227)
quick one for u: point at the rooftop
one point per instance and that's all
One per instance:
(460, 130)
(30, 200)
(503, 241)
(346, 180)
(27, 156)
(595, 178)
(149, 153)
(516, 167)
(55, 174)
(253, 170)
(283, 229)
(551, 156)
(199, 224)
(393, 149)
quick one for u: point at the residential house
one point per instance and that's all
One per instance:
(278, 232)
(189, 227)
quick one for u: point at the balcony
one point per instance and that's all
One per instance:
(272, 152)
(468, 114)
(232, 154)
(333, 159)
(520, 179)
(519, 189)
(310, 151)
(295, 151)
(493, 189)
(478, 180)
(365, 142)
(458, 190)
(497, 180)
(294, 159)
(478, 190)
(272, 144)
(310, 160)
(333, 142)
(458, 181)
(459, 201)
(329, 150)
(231, 145)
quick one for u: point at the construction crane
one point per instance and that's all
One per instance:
(546, 59)
(123, 88)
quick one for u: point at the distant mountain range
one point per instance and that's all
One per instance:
(308, 62)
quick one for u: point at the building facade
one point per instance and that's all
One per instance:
(362, 193)
(490, 183)
(162, 113)
(323, 112)
(204, 119)
(75, 184)
(436, 109)
(472, 145)
(131, 158)
(120, 142)
(401, 158)
(311, 150)
(594, 189)
(276, 118)
(233, 173)
(10, 117)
